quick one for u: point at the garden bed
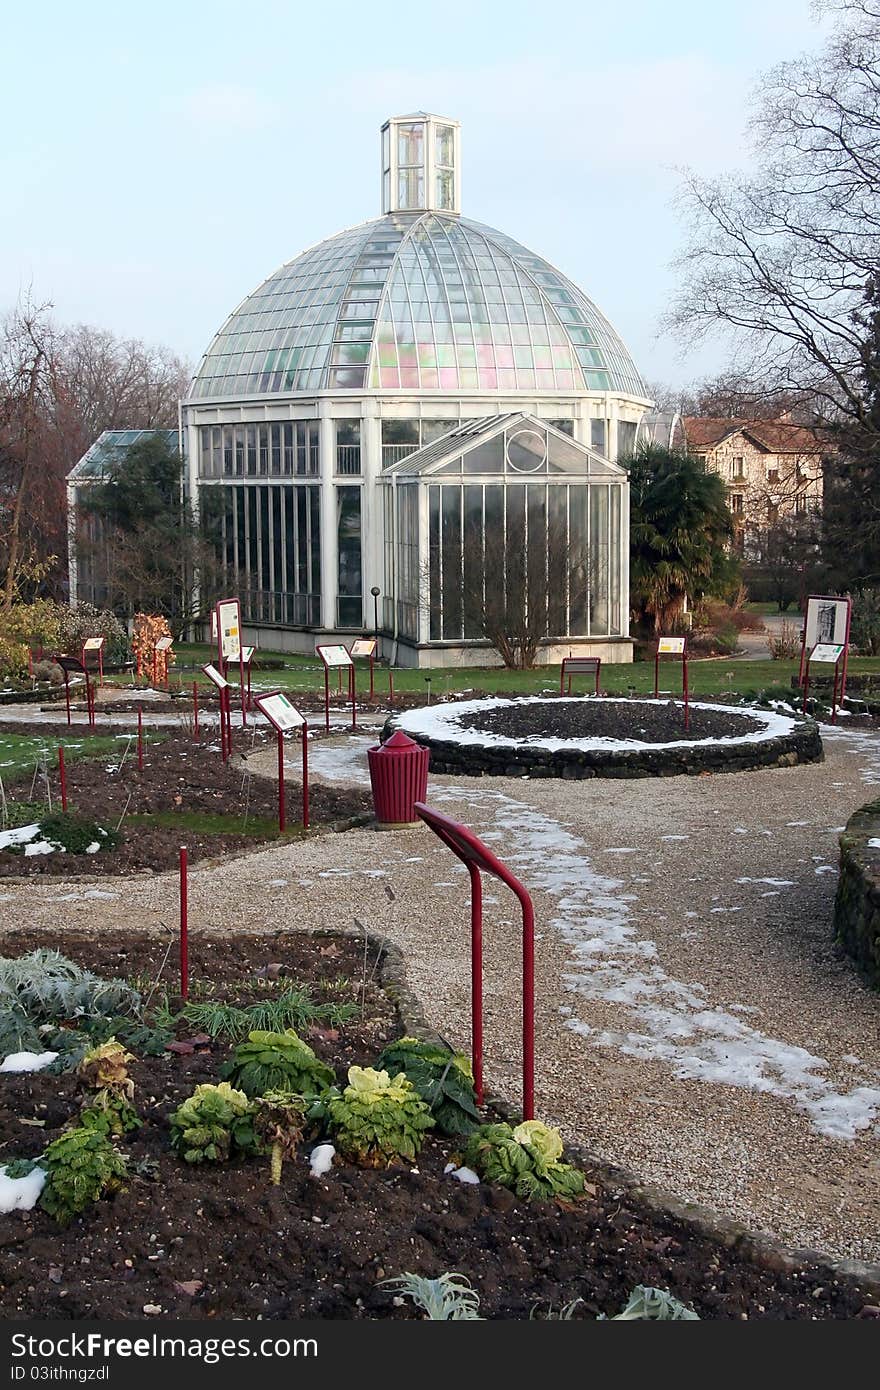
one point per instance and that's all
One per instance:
(219, 1242)
(580, 737)
(185, 795)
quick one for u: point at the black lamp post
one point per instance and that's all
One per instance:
(376, 591)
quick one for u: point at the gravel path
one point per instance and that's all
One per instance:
(694, 1020)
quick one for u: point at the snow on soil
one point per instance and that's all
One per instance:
(666, 1019)
(345, 762)
(443, 722)
(21, 1194)
(27, 1061)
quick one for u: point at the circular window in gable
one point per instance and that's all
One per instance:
(526, 451)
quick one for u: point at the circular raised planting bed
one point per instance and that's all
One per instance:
(590, 737)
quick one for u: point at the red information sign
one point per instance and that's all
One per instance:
(95, 644)
(337, 657)
(826, 623)
(285, 717)
(229, 648)
(222, 685)
(365, 647)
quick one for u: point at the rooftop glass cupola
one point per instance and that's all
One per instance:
(421, 166)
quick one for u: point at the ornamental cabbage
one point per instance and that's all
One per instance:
(524, 1159)
(443, 1079)
(377, 1119)
(212, 1122)
(277, 1062)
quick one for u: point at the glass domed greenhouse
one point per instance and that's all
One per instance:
(422, 406)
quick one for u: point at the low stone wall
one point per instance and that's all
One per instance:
(857, 905)
(801, 745)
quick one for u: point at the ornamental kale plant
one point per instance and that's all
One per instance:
(211, 1123)
(525, 1159)
(448, 1298)
(278, 1126)
(376, 1121)
(44, 988)
(81, 1167)
(277, 1062)
(103, 1074)
(443, 1079)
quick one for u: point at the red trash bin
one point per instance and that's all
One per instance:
(399, 778)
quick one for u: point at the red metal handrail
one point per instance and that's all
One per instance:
(476, 856)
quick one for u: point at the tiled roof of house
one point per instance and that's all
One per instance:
(704, 432)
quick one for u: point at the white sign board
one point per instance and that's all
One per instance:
(334, 656)
(214, 675)
(363, 646)
(229, 628)
(280, 712)
(164, 644)
(827, 621)
(827, 651)
(673, 646)
(247, 653)
(93, 644)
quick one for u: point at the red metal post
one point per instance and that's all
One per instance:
(390, 686)
(62, 773)
(371, 677)
(282, 820)
(100, 667)
(834, 694)
(140, 738)
(806, 685)
(184, 925)
(657, 675)
(327, 699)
(305, 775)
(67, 694)
(477, 979)
(241, 684)
(90, 701)
(195, 709)
(476, 856)
(353, 693)
(846, 650)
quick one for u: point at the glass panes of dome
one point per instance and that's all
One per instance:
(443, 303)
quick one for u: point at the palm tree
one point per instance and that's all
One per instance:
(680, 533)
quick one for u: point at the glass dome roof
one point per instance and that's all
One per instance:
(419, 302)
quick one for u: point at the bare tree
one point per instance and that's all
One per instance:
(30, 493)
(780, 261)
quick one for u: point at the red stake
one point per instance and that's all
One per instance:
(140, 738)
(62, 773)
(477, 978)
(184, 926)
(390, 686)
(195, 709)
(67, 694)
(305, 775)
(282, 822)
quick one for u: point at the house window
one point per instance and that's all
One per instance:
(737, 467)
(772, 474)
(736, 504)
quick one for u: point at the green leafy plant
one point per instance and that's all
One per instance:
(443, 1079)
(277, 1062)
(656, 1305)
(76, 834)
(81, 1167)
(293, 1008)
(525, 1159)
(212, 1123)
(448, 1298)
(279, 1120)
(377, 1120)
(16, 814)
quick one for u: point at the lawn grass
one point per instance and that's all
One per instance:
(214, 823)
(709, 676)
(19, 752)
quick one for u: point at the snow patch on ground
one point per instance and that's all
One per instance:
(664, 1019)
(21, 1194)
(342, 762)
(27, 1061)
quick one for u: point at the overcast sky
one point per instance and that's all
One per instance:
(159, 160)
